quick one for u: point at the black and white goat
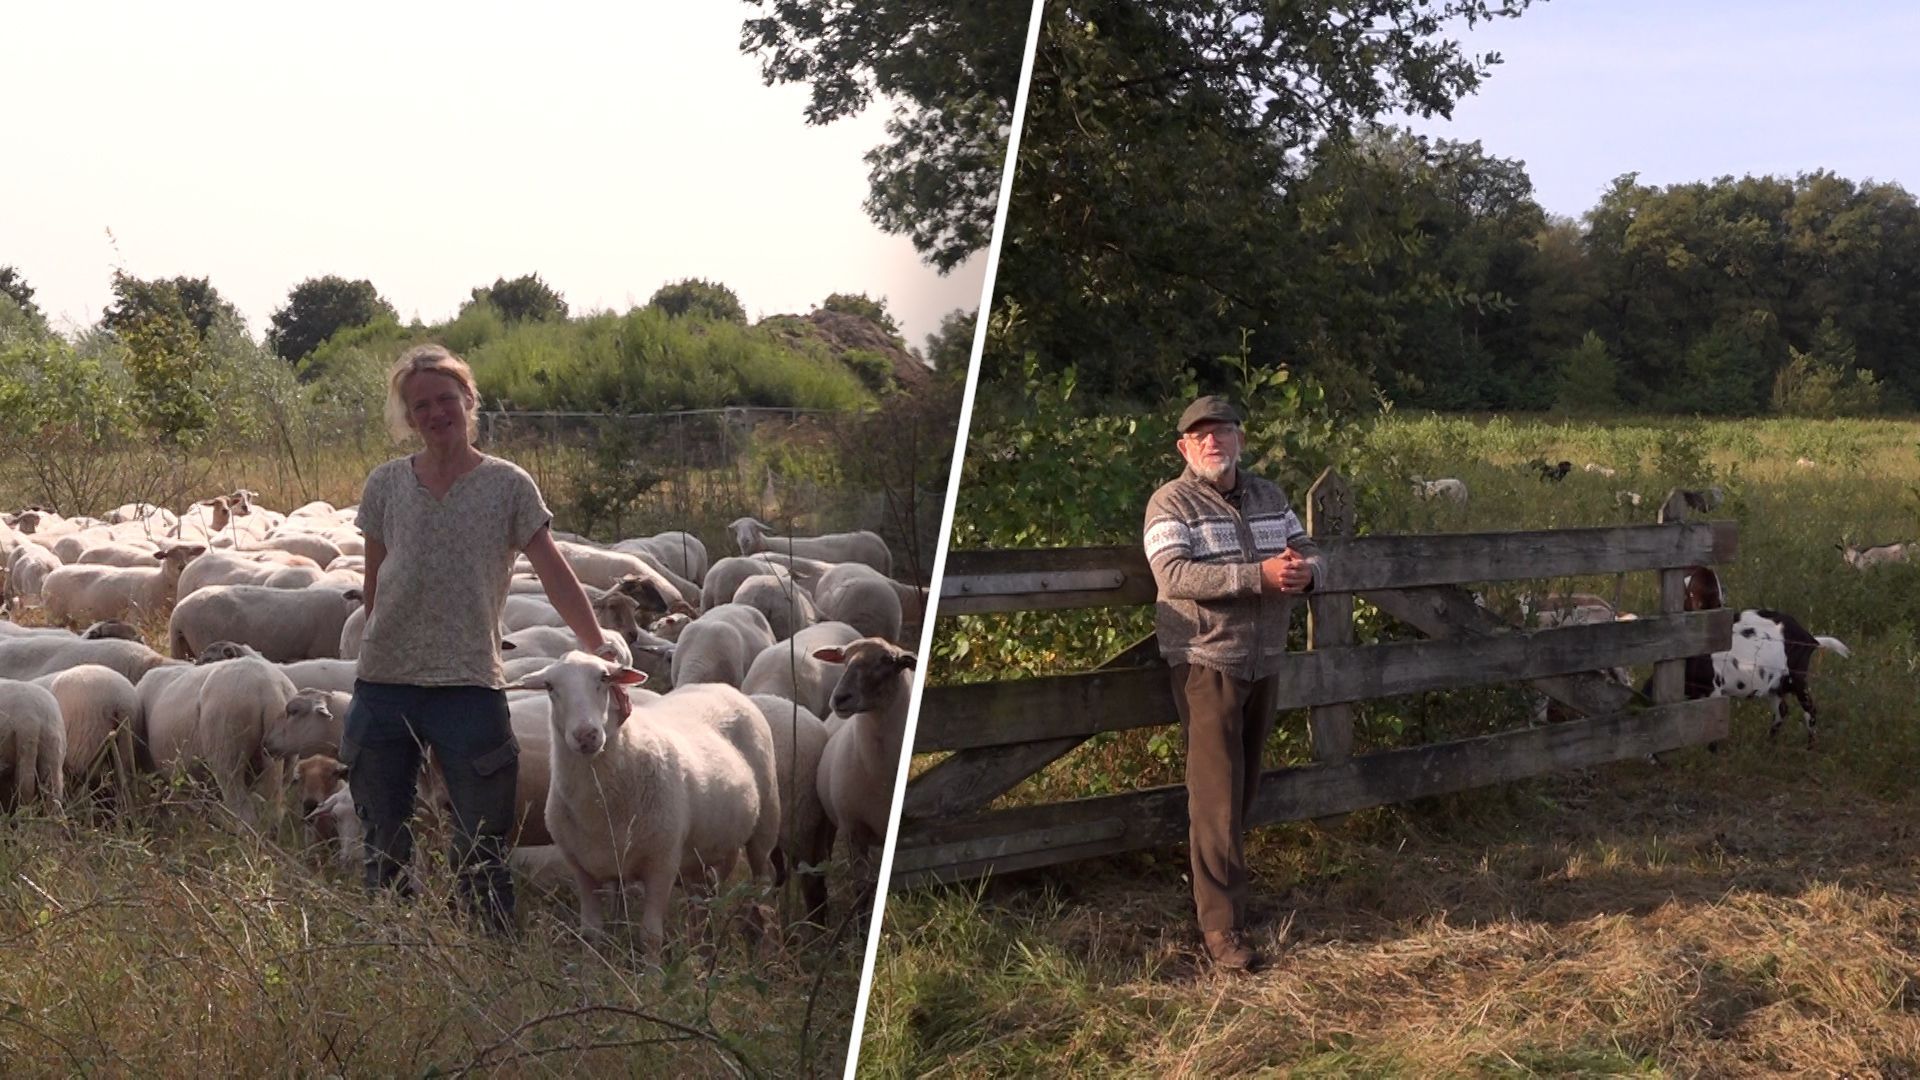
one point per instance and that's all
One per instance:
(1767, 658)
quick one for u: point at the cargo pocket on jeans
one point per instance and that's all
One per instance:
(493, 761)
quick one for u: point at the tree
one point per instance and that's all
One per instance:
(137, 300)
(874, 311)
(697, 296)
(955, 69)
(1151, 217)
(318, 308)
(15, 287)
(1822, 382)
(1587, 378)
(950, 348)
(524, 299)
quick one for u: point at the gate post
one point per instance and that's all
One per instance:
(1329, 505)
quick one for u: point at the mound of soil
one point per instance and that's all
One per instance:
(842, 333)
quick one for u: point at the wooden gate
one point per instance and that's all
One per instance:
(1000, 733)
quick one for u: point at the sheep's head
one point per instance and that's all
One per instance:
(111, 628)
(650, 600)
(746, 534)
(310, 726)
(618, 612)
(581, 689)
(315, 778)
(669, 626)
(877, 672)
(225, 650)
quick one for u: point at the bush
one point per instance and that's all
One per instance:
(701, 298)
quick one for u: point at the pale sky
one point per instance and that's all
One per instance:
(431, 148)
(1680, 92)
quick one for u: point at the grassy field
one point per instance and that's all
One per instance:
(170, 942)
(1742, 913)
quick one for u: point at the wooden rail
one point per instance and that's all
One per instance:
(1000, 733)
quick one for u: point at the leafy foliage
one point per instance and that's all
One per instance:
(523, 299)
(698, 296)
(1588, 378)
(954, 69)
(318, 308)
(15, 288)
(874, 311)
(192, 300)
(1822, 382)
(951, 346)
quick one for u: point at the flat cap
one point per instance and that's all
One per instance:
(1208, 407)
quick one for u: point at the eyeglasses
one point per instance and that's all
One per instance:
(1218, 434)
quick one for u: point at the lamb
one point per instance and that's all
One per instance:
(717, 647)
(283, 624)
(857, 595)
(806, 834)
(1769, 656)
(1600, 470)
(88, 593)
(1878, 554)
(789, 669)
(683, 784)
(33, 744)
(327, 807)
(753, 536)
(787, 607)
(211, 718)
(1450, 488)
(99, 709)
(862, 758)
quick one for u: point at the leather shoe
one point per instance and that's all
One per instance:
(1230, 951)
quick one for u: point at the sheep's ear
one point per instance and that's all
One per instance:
(340, 770)
(626, 676)
(536, 681)
(906, 661)
(831, 654)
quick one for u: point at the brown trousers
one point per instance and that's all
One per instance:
(1226, 721)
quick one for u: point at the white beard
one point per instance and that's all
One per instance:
(1213, 474)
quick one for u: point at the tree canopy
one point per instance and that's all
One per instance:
(954, 69)
(524, 299)
(318, 308)
(698, 296)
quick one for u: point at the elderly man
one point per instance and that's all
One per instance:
(1229, 557)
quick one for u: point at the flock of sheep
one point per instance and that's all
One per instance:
(770, 720)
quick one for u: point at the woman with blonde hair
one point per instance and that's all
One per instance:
(442, 527)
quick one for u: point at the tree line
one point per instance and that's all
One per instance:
(170, 357)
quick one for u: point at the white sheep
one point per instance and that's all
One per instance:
(1450, 488)
(806, 833)
(717, 647)
(99, 709)
(752, 536)
(33, 744)
(789, 669)
(1865, 558)
(1599, 470)
(272, 569)
(282, 624)
(321, 674)
(786, 605)
(862, 758)
(861, 597)
(681, 786)
(30, 657)
(312, 724)
(85, 594)
(681, 552)
(211, 719)
(27, 570)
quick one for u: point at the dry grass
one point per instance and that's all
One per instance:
(1637, 919)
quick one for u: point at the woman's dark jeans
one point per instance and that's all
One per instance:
(387, 730)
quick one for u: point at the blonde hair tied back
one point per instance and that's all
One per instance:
(438, 360)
